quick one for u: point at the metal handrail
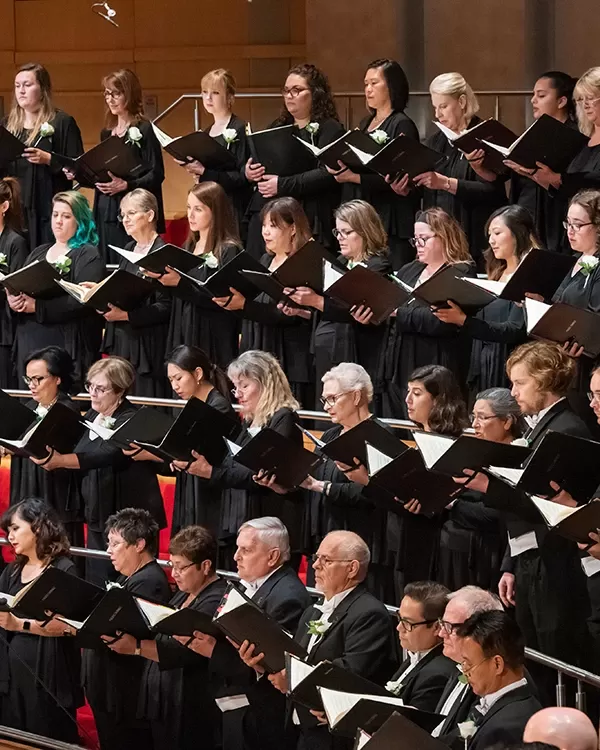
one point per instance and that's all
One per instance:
(34, 740)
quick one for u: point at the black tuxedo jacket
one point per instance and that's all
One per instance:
(459, 710)
(425, 684)
(504, 723)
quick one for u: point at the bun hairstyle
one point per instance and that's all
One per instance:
(191, 358)
(455, 85)
(10, 191)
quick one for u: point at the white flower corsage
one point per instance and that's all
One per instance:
(230, 136)
(380, 137)
(210, 260)
(108, 422)
(46, 130)
(3, 259)
(312, 129)
(134, 135)
(394, 686)
(467, 729)
(318, 627)
(113, 585)
(586, 266)
(62, 264)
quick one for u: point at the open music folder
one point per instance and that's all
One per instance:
(279, 152)
(110, 155)
(148, 422)
(564, 323)
(400, 156)
(398, 733)
(341, 150)
(481, 136)
(16, 417)
(351, 445)
(60, 428)
(35, 279)
(230, 276)
(448, 283)
(122, 289)
(157, 260)
(197, 146)
(572, 523)
(11, 147)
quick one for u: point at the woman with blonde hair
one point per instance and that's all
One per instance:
(415, 336)
(124, 118)
(218, 97)
(48, 133)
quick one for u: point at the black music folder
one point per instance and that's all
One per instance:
(274, 453)
(118, 611)
(179, 621)
(305, 679)
(400, 156)
(242, 620)
(279, 152)
(348, 712)
(54, 591)
(571, 462)
(450, 456)
(60, 428)
(547, 141)
(147, 422)
(110, 155)
(361, 286)
(481, 136)
(16, 417)
(11, 147)
(564, 323)
(540, 272)
(198, 427)
(573, 523)
(197, 146)
(352, 444)
(448, 284)
(157, 260)
(35, 279)
(230, 276)
(339, 150)
(398, 733)
(123, 289)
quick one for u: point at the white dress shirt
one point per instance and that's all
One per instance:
(252, 587)
(487, 701)
(327, 609)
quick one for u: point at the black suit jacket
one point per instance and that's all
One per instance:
(425, 684)
(504, 723)
(459, 710)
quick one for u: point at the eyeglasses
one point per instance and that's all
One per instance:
(342, 234)
(591, 396)
(467, 671)
(420, 241)
(449, 627)
(180, 568)
(128, 215)
(99, 389)
(481, 417)
(114, 545)
(326, 561)
(34, 379)
(108, 94)
(576, 227)
(332, 400)
(587, 100)
(410, 626)
(293, 91)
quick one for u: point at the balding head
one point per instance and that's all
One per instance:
(566, 728)
(341, 562)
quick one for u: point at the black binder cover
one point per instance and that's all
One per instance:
(198, 427)
(148, 423)
(117, 611)
(202, 147)
(340, 150)
(123, 289)
(11, 147)
(469, 452)
(361, 286)
(279, 152)
(169, 255)
(276, 454)
(578, 524)
(36, 279)
(60, 428)
(491, 131)
(540, 272)
(562, 323)
(447, 284)
(404, 155)
(248, 622)
(230, 276)
(399, 733)
(110, 155)
(353, 443)
(184, 621)
(16, 417)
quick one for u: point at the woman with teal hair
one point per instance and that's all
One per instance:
(54, 318)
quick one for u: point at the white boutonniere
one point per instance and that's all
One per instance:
(3, 259)
(230, 136)
(62, 264)
(318, 627)
(108, 422)
(312, 129)
(210, 260)
(46, 130)
(467, 729)
(380, 137)
(394, 686)
(134, 136)
(523, 443)
(586, 266)
(113, 585)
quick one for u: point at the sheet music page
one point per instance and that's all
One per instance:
(432, 447)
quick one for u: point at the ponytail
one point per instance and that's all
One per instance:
(10, 191)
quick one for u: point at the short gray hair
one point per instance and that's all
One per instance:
(272, 532)
(353, 547)
(504, 405)
(351, 377)
(477, 600)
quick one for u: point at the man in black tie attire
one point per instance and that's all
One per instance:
(422, 676)
(351, 629)
(493, 658)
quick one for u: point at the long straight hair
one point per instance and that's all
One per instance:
(223, 229)
(125, 82)
(520, 224)
(47, 112)
(448, 414)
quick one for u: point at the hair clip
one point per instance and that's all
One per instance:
(105, 11)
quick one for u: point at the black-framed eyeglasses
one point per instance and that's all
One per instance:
(409, 626)
(576, 227)
(34, 379)
(180, 568)
(420, 241)
(332, 400)
(481, 417)
(449, 627)
(293, 91)
(342, 234)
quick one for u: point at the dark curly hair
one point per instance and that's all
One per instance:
(50, 536)
(449, 413)
(323, 105)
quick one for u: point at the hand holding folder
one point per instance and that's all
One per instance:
(122, 289)
(59, 429)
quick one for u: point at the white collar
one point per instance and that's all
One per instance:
(416, 656)
(533, 419)
(487, 701)
(252, 587)
(329, 605)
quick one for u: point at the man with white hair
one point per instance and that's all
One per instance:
(351, 628)
(565, 728)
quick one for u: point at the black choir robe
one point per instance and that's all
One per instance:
(233, 182)
(360, 638)
(177, 696)
(40, 182)
(113, 682)
(582, 173)
(424, 685)
(316, 190)
(106, 207)
(396, 212)
(475, 198)
(25, 704)
(197, 321)
(61, 320)
(13, 247)
(60, 488)
(142, 340)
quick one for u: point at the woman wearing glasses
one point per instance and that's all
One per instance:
(124, 118)
(415, 335)
(308, 105)
(52, 319)
(140, 335)
(109, 479)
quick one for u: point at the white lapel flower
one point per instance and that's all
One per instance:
(62, 264)
(134, 135)
(210, 260)
(587, 266)
(467, 729)
(113, 585)
(312, 129)
(46, 130)
(41, 411)
(3, 259)
(230, 136)
(380, 136)
(108, 422)
(394, 686)
(318, 627)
